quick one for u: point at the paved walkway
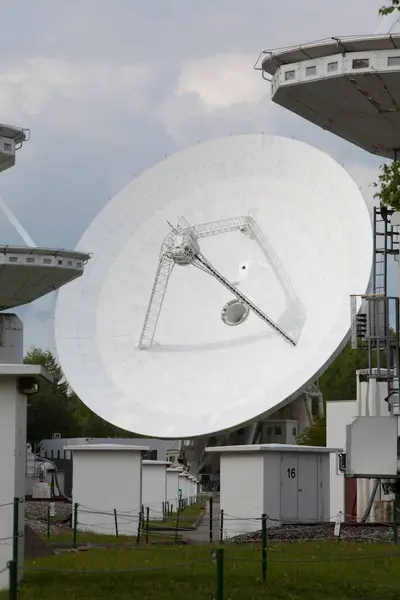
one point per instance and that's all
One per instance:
(201, 535)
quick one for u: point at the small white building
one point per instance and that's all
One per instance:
(288, 483)
(155, 487)
(173, 486)
(184, 485)
(107, 477)
(193, 488)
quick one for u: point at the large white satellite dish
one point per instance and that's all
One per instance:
(280, 236)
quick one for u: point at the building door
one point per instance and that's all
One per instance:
(289, 486)
(308, 488)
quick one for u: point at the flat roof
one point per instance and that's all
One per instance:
(272, 448)
(155, 463)
(106, 447)
(22, 370)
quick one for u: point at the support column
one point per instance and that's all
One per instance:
(17, 381)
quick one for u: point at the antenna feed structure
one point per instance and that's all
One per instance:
(181, 247)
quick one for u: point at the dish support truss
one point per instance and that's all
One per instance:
(181, 247)
(375, 325)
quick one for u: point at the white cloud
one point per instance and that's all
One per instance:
(37, 83)
(222, 81)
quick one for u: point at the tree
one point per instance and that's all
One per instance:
(55, 409)
(337, 383)
(315, 435)
(387, 10)
(389, 184)
(49, 411)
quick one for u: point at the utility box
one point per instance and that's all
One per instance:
(107, 478)
(289, 483)
(371, 447)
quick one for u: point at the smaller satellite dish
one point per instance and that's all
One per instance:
(27, 274)
(218, 289)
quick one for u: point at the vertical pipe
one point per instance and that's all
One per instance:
(221, 527)
(374, 253)
(75, 530)
(264, 546)
(210, 533)
(163, 511)
(397, 346)
(385, 255)
(219, 594)
(116, 522)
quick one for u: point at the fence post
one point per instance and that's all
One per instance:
(75, 530)
(210, 533)
(219, 593)
(177, 526)
(48, 520)
(394, 523)
(147, 523)
(15, 531)
(221, 526)
(13, 591)
(13, 564)
(116, 522)
(264, 546)
(139, 529)
(171, 510)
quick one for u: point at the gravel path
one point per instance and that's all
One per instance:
(36, 517)
(373, 534)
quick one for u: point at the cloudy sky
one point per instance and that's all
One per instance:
(109, 87)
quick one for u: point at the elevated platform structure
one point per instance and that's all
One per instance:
(28, 273)
(347, 85)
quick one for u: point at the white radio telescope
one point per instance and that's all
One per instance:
(218, 289)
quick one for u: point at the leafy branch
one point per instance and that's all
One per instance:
(389, 184)
(387, 10)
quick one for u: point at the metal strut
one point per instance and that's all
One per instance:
(164, 270)
(180, 247)
(207, 266)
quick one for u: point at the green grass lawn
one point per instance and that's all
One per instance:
(94, 538)
(306, 571)
(187, 517)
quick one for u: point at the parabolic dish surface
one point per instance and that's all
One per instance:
(201, 375)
